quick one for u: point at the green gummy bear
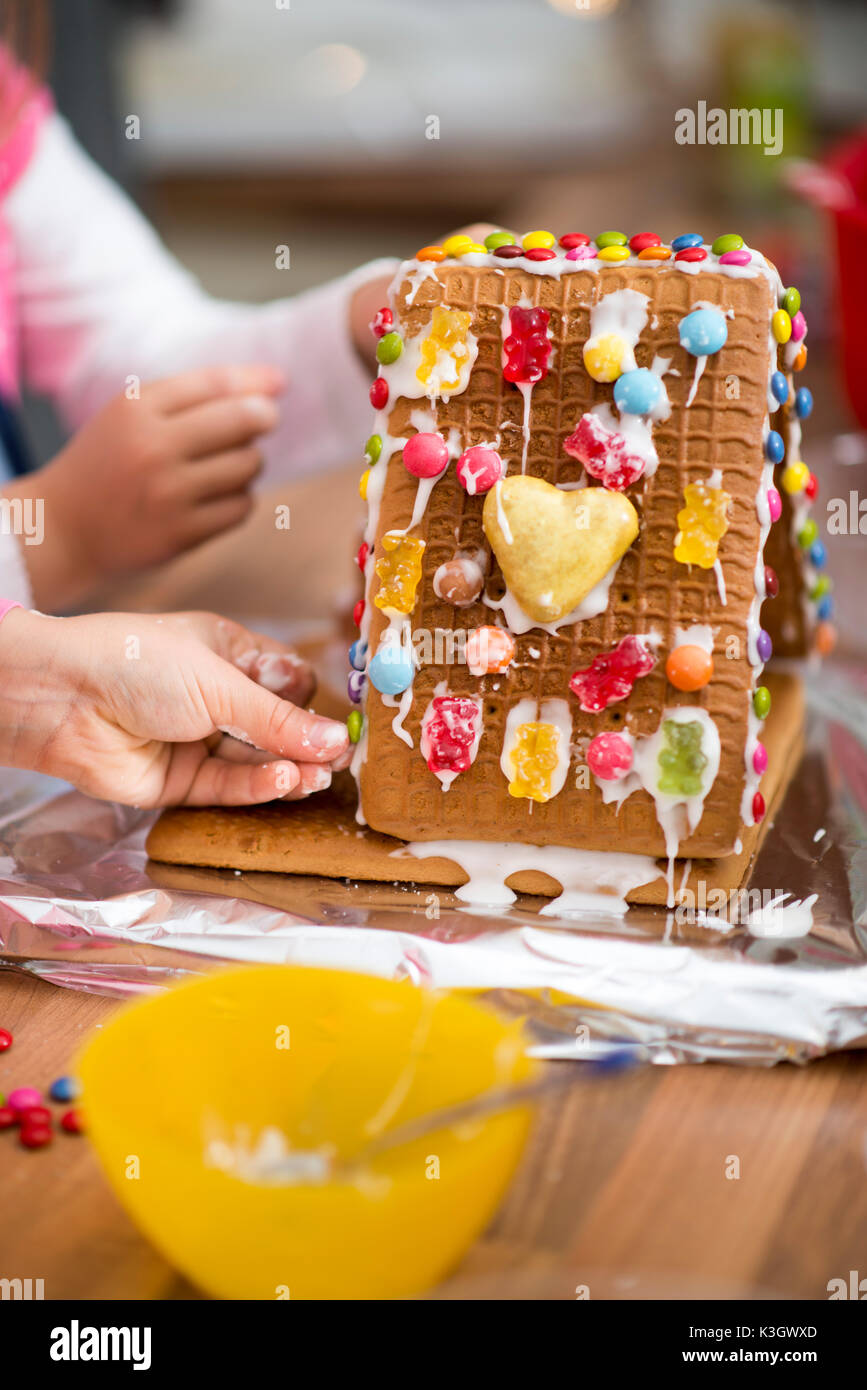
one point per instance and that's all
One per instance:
(681, 761)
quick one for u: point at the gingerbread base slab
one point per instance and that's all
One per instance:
(321, 836)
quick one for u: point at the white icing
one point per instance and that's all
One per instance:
(780, 919)
(699, 635)
(529, 711)
(519, 622)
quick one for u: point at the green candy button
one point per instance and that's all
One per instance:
(762, 701)
(610, 239)
(792, 301)
(389, 348)
(730, 241)
(373, 448)
(354, 722)
(821, 587)
(495, 239)
(807, 534)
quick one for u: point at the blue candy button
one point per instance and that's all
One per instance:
(774, 447)
(703, 331)
(391, 670)
(637, 392)
(681, 243)
(779, 388)
(358, 654)
(825, 607)
(803, 402)
(818, 554)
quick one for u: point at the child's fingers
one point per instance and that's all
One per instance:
(270, 663)
(188, 389)
(223, 473)
(227, 423)
(214, 517)
(313, 777)
(256, 715)
(221, 783)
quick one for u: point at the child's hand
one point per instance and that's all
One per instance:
(136, 709)
(149, 477)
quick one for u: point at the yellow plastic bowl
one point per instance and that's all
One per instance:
(326, 1058)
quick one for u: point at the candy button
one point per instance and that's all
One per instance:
(774, 447)
(5, 1039)
(23, 1098)
(702, 332)
(382, 323)
(573, 239)
(603, 356)
(826, 638)
(743, 257)
(655, 253)
(476, 247)
(362, 484)
(488, 649)
(821, 587)
(637, 392)
(729, 241)
(764, 645)
(389, 348)
(799, 327)
(355, 686)
(582, 253)
(687, 241)
(692, 253)
(803, 402)
(495, 239)
(609, 757)
(8, 1118)
(478, 468)
(818, 555)
(614, 253)
(430, 253)
(760, 758)
(689, 667)
(459, 581)
(779, 387)
(642, 240)
(800, 361)
(425, 455)
(781, 326)
(458, 244)
(792, 301)
(811, 486)
(775, 504)
(533, 240)
(379, 393)
(35, 1136)
(758, 807)
(391, 669)
(794, 478)
(508, 253)
(35, 1115)
(358, 612)
(354, 725)
(357, 660)
(373, 448)
(70, 1120)
(361, 555)
(762, 701)
(605, 239)
(807, 534)
(772, 583)
(540, 253)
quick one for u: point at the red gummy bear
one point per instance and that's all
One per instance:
(604, 453)
(451, 729)
(611, 675)
(527, 348)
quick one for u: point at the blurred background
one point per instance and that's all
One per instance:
(348, 130)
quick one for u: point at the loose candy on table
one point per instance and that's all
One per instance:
(637, 392)
(379, 393)
(5, 1039)
(389, 348)
(383, 323)
(702, 332)
(609, 757)
(489, 649)
(35, 1136)
(399, 572)
(452, 728)
(23, 1098)
(681, 761)
(604, 356)
(611, 675)
(459, 581)
(527, 349)
(780, 387)
(35, 1115)
(535, 758)
(391, 670)
(803, 402)
(354, 725)
(762, 701)
(703, 523)
(689, 667)
(71, 1122)
(775, 449)
(479, 468)
(446, 343)
(605, 453)
(425, 455)
(8, 1118)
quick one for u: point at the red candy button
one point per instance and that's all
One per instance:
(34, 1115)
(379, 393)
(540, 253)
(758, 807)
(5, 1040)
(692, 253)
(643, 240)
(508, 253)
(772, 583)
(361, 557)
(70, 1120)
(36, 1136)
(358, 612)
(8, 1118)
(811, 487)
(382, 323)
(573, 239)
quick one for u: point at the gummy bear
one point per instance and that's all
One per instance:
(535, 758)
(527, 348)
(451, 730)
(445, 349)
(605, 453)
(702, 525)
(611, 675)
(681, 762)
(399, 572)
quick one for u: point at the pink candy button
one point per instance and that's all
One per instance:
(775, 505)
(799, 327)
(425, 455)
(581, 253)
(739, 257)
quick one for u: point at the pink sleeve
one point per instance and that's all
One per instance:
(24, 104)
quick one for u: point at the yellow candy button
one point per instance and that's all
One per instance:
(781, 326)
(603, 357)
(795, 477)
(457, 245)
(362, 484)
(473, 246)
(614, 253)
(535, 239)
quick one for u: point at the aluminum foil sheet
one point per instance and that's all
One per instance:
(82, 907)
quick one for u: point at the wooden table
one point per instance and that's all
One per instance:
(623, 1189)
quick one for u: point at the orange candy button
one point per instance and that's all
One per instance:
(826, 638)
(430, 253)
(489, 649)
(689, 667)
(655, 253)
(800, 361)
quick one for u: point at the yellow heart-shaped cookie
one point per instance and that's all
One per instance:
(555, 546)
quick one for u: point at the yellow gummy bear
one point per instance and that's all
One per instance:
(399, 572)
(534, 758)
(445, 346)
(702, 525)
